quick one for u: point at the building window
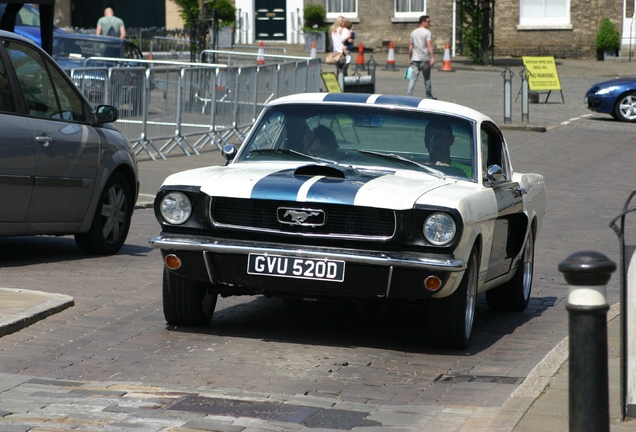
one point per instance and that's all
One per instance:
(409, 8)
(345, 8)
(544, 13)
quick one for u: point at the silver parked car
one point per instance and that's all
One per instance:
(64, 169)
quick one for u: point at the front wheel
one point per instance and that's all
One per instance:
(449, 320)
(625, 108)
(514, 295)
(187, 302)
(111, 220)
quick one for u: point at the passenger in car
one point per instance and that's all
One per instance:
(438, 139)
(322, 143)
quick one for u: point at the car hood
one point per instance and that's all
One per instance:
(616, 81)
(334, 184)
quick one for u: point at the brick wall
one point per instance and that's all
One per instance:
(375, 28)
(576, 42)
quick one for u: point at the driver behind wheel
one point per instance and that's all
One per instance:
(322, 143)
(438, 138)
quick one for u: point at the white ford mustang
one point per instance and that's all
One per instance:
(355, 197)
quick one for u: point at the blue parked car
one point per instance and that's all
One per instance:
(616, 97)
(27, 23)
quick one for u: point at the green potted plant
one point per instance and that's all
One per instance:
(315, 29)
(608, 40)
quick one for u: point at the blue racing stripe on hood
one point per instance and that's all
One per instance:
(281, 185)
(284, 186)
(338, 190)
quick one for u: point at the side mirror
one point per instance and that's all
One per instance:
(229, 152)
(106, 114)
(495, 173)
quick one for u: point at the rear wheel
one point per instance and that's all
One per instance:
(111, 220)
(514, 295)
(625, 108)
(187, 302)
(449, 320)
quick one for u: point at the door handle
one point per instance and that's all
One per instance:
(44, 140)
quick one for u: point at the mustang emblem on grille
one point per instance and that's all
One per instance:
(306, 217)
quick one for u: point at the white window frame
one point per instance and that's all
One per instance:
(411, 14)
(544, 21)
(333, 15)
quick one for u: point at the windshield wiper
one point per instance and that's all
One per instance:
(394, 157)
(292, 152)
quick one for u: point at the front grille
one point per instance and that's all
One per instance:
(341, 220)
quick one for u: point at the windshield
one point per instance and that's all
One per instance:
(364, 136)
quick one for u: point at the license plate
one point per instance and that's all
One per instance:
(293, 267)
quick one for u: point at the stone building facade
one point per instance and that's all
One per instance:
(376, 25)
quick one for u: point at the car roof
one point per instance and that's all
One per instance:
(385, 101)
(11, 35)
(91, 37)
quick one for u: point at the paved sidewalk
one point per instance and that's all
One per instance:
(539, 404)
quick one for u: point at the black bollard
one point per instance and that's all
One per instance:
(587, 274)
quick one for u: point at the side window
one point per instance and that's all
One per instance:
(46, 93)
(7, 101)
(492, 150)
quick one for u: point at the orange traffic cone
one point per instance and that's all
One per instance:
(313, 50)
(260, 60)
(360, 66)
(150, 55)
(446, 65)
(390, 61)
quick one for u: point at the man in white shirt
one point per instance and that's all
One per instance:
(421, 55)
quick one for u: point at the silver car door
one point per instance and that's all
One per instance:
(66, 148)
(17, 155)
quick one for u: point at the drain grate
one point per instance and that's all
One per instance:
(307, 416)
(453, 379)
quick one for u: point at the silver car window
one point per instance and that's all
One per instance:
(46, 93)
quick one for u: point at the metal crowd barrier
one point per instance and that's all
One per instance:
(168, 105)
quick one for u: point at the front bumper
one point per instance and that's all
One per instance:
(369, 273)
(600, 104)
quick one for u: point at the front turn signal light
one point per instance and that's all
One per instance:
(172, 262)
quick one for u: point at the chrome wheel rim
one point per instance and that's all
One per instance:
(471, 297)
(114, 214)
(528, 265)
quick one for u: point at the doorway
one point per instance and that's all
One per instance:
(270, 20)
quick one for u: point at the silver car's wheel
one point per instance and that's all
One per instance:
(625, 108)
(111, 220)
(449, 320)
(514, 295)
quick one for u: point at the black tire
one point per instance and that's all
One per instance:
(514, 295)
(625, 107)
(187, 302)
(111, 220)
(449, 320)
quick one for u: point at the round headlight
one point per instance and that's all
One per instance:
(439, 229)
(176, 208)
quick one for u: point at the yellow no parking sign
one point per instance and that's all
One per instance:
(542, 74)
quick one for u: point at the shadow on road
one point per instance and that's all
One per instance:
(396, 327)
(29, 250)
